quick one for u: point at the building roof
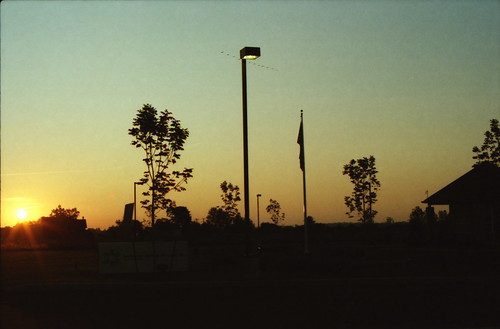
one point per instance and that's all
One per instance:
(480, 185)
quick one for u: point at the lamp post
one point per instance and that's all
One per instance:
(249, 53)
(135, 208)
(258, 210)
(135, 202)
(134, 227)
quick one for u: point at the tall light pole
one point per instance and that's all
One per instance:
(258, 210)
(249, 53)
(135, 207)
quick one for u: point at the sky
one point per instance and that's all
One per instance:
(413, 83)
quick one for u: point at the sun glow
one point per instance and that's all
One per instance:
(21, 214)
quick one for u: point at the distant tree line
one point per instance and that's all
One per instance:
(60, 229)
(225, 225)
(162, 137)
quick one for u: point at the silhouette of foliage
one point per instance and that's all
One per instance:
(230, 197)
(180, 217)
(490, 150)
(362, 173)
(442, 215)
(161, 137)
(420, 224)
(61, 229)
(219, 218)
(123, 230)
(226, 215)
(62, 213)
(417, 216)
(310, 221)
(274, 209)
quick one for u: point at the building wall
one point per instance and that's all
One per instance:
(478, 221)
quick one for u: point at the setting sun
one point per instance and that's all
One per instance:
(21, 214)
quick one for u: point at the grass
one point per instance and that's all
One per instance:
(341, 286)
(48, 266)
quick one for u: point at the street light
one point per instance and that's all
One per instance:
(135, 209)
(249, 53)
(135, 204)
(258, 216)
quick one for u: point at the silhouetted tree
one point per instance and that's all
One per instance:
(490, 150)
(419, 225)
(162, 137)
(230, 197)
(442, 215)
(123, 230)
(180, 216)
(63, 213)
(310, 221)
(224, 216)
(389, 220)
(362, 173)
(274, 209)
(417, 216)
(62, 227)
(218, 218)
(430, 215)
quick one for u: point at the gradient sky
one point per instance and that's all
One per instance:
(413, 83)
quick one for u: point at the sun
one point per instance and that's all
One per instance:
(21, 214)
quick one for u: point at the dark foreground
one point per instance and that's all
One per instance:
(62, 289)
(339, 303)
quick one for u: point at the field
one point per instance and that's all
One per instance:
(341, 287)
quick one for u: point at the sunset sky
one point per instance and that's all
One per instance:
(413, 83)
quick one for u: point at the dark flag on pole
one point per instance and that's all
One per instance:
(300, 141)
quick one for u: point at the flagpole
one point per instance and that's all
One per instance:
(303, 167)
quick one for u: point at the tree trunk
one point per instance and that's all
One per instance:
(370, 195)
(153, 206)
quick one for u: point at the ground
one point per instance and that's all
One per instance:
(349, 286)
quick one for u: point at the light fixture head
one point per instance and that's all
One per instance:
(250, 53)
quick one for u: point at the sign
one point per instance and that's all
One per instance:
(127, 213)
(143, 257)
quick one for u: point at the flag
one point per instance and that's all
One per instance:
(300, 141)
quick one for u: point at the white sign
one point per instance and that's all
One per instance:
(143, 257)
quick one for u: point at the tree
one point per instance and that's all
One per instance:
(490, 150)
(274, 209)
(62, 227)
(124, 230)
(226, 215)
(64, 214)
(362, 173)
(219, 218)
(162, 138)
(417, 216)
(310, 221)
(230, 197)
(180, 216)
(442, 215)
